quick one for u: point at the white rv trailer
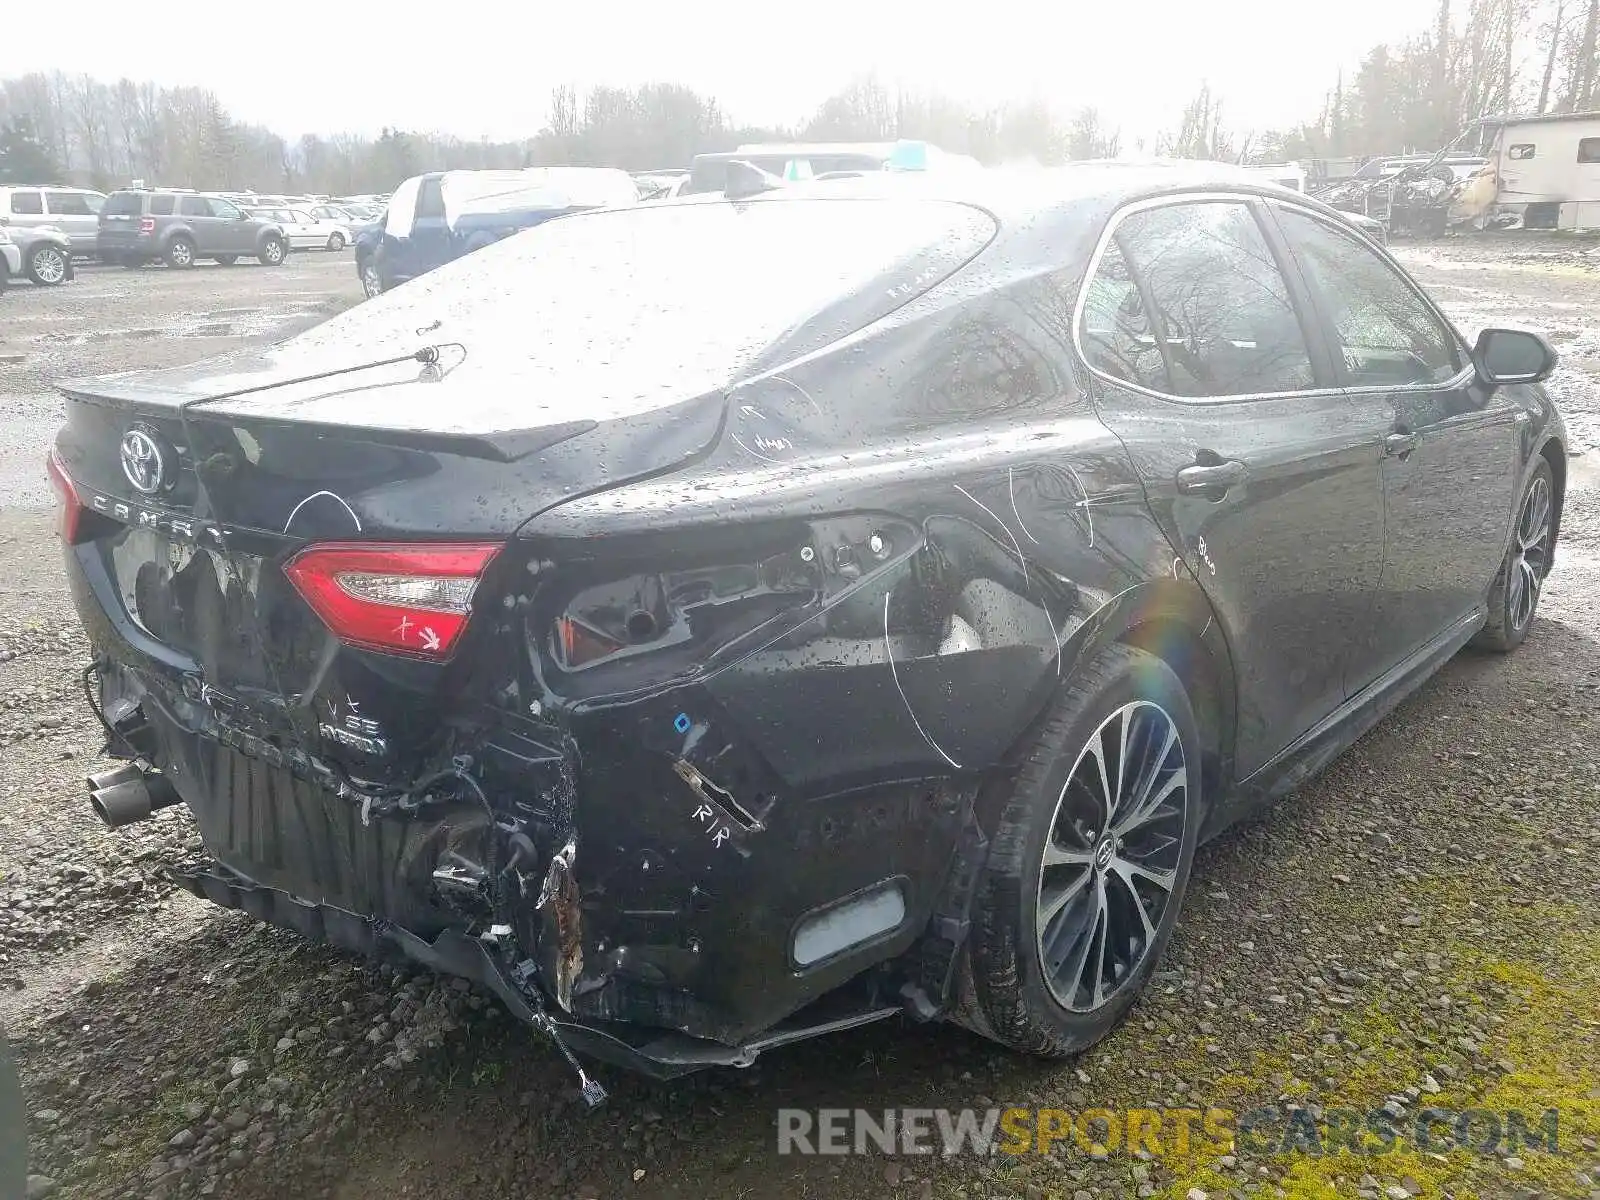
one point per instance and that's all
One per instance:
(1547, 169)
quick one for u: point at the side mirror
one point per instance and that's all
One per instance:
(1513, 356)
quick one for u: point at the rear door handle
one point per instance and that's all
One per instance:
(1398, 445)
(1211, 478)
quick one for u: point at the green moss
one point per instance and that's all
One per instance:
(1539, 981)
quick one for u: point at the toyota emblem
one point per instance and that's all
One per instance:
(144, 462)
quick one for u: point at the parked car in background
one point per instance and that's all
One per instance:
(797, 161)
(305, 231)
(349, 215)
(710, 625)
(74, 211)
(46, 252)
(10, 258)
(177, 228)
(434, 218)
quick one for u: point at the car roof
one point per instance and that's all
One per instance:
(1017, 194)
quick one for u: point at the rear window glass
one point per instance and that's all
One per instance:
(73, 204)
(122, 204)
(680, 300)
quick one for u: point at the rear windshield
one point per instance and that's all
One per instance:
(122, 204)
(616, 311)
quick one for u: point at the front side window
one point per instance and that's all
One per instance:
(222, 208)
(1387, 335)
(1194, 294)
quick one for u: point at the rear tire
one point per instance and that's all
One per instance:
(273, 252)
(48, 266)
(1514, 594)
(1061, 950)
(336, 243)
(180, 254)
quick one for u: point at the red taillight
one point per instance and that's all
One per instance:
(147, 224)
(414, 599)
(71, 506)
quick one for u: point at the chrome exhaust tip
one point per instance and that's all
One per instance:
(129, 800)
(120, 774)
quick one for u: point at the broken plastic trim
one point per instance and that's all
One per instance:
(656, 1053)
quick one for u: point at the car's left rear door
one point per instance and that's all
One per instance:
(1263, 475)
(1452, 453)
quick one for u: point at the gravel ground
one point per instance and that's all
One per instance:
(1420, 925)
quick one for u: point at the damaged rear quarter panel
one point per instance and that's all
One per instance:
(844, 746)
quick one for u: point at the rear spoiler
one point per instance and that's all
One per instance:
(500, 446)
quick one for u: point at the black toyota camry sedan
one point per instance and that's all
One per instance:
(714, 623)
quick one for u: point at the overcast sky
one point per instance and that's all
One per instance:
(486, 67)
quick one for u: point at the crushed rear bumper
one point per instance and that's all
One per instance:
(656, 1053)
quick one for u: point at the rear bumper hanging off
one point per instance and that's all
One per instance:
(659, 1054)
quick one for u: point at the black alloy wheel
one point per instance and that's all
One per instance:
(1090, 858)
(1514, 596)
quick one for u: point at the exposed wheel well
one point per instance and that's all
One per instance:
(1210, 695)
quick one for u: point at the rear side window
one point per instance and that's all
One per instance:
(26, 204)
(161, 206)
(72, 204)
(1589, 150)
(1387, 335)
(1522, 150)
(122, 204)
(1203, 291)
(1117, 335)
(193, 206)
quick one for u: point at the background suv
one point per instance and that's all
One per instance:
(46, 254)
(180, 227)
(74, 211)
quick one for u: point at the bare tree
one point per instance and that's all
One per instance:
(1551, 49)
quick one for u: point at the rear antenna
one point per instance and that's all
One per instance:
(427, 356)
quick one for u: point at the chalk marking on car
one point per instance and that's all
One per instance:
(888, 649)
(1016, 545)
(1011, 482)
(1086, 503)
(295, 511)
